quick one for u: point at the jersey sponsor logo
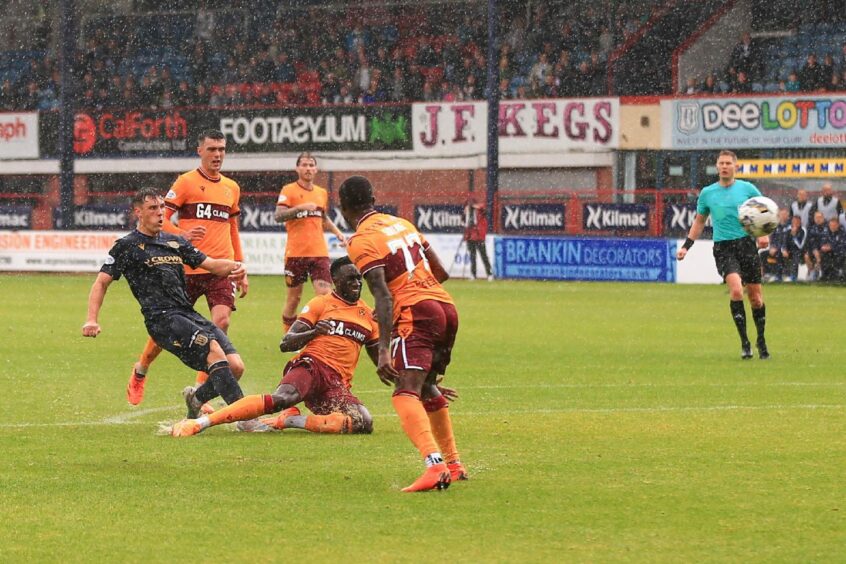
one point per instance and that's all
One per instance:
(171, 194)
(349, 330)
(204, 210)
(439, 218)
(163, 261)
(631, 217)
(534, 217)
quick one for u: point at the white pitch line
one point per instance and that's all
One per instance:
(120, 420)
(123, 418)
(635, 385)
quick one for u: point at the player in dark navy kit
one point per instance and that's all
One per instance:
(152, 262)
(735, 252)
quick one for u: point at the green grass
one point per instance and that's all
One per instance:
(600, 422)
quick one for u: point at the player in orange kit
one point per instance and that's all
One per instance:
(418, 324)
(332, 328)
(303, 207)
(208, 207)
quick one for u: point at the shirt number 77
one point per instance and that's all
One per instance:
(405, 244)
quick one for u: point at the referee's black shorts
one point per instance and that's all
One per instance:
(740, 256)
(187, 334)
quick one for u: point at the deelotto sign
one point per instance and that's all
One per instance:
(755, 122)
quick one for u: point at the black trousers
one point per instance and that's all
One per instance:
(478, 246)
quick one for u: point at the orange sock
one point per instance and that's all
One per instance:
(414, 422)
(248, 407)
(202, 377)
(442, 431)
(332, 423)
(151, 351)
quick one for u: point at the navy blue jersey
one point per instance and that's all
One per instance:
(153, 269)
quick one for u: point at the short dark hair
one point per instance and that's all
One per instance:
(210, 134)
(726, 152)
(337, 264)
(356, 193)
(141, 195)
(306, 155)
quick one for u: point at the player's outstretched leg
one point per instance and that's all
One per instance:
(437, 408)
(135, 386)
(417, 428)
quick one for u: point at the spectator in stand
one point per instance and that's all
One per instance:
(540, 69)
(792, 84)
(382, 62)
(741, 84)
(29, 97)
(690, 86)
(374, 94)
(429, 93)
(265, 67)
(362, 75)
(812, 76)
(582, 81)
(469, 91)
(339, 66)
(828, 69)
(266, 95)
(297, 97)
(504, 89)
(832, 252)
(549, 89)
(202, 96)
(745, 57)
(199, 63)
(793, 249)
(344, 95)
(397, 91)
(812, 247)
(828, 203)
(183, 96)
(329, 89)
(285, 71)
(835, 85)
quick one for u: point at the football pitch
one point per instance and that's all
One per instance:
(599, 422)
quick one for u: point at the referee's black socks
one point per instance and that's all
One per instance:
(738, 314)
(760, 317)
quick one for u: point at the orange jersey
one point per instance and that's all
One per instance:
(200, 200)
(392, 243)
(353, 326)
(305, 234)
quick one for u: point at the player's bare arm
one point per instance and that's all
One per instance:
(285, 213)
(193, 234)
(242, 284)
(91, 328)
(225, 267)
(375, 278)
(436, 266)
(301, 333)
(695, 231)
(329, 225)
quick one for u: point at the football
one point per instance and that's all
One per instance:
(758, 216)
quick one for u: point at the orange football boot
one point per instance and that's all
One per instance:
(435, 477)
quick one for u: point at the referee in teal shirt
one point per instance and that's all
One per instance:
(735, 252)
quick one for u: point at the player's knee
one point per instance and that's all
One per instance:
(222, 322)
(285, 396)
(236, 365)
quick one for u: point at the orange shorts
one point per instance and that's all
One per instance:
(424, 335)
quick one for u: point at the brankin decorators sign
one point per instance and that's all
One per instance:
(755, 122)
(326, 129)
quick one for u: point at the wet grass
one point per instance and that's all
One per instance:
(600, 422)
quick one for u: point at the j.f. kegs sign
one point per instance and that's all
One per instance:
(615, 217)
(525, 126)
(324, 129)
(439, 218)
(15, 217)
(532, 217)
